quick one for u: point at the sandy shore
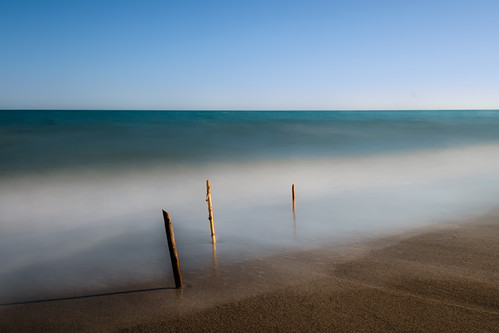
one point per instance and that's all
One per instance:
(441, 280)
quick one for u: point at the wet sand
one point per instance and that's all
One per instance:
(441, 280)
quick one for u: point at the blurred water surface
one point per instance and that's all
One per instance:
(81, 192)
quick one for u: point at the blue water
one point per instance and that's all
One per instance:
(33, 141)
(82, 191)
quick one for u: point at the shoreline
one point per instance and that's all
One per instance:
(440, 278)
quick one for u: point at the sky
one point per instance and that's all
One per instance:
(251, 55)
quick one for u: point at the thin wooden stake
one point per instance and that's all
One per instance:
(170, 238)
(293, 196)
(294, 207)
(210, 212)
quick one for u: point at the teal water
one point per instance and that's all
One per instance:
(82, 191)
(33, 141)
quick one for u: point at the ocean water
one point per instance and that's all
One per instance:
(81, 192)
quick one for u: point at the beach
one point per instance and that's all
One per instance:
(394, 227)
(311, 167)
(437, 279)
(249, 166)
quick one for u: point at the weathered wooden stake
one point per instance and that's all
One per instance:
(293, 196)
(294, 207)
(210, 212)
(170, 237)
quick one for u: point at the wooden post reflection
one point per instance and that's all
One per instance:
(214, 257)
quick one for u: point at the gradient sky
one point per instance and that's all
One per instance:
(352, 54)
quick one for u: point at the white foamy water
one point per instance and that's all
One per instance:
(98, 229)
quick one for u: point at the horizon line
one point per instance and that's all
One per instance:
(250, 110)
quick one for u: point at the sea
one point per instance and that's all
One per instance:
(82, 192)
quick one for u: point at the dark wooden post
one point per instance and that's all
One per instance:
(293, 196)
(170, 238)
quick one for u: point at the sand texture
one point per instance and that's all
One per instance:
(441, 280)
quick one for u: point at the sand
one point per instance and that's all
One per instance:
(441, 280)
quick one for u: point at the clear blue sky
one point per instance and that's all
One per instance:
(351, 54)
